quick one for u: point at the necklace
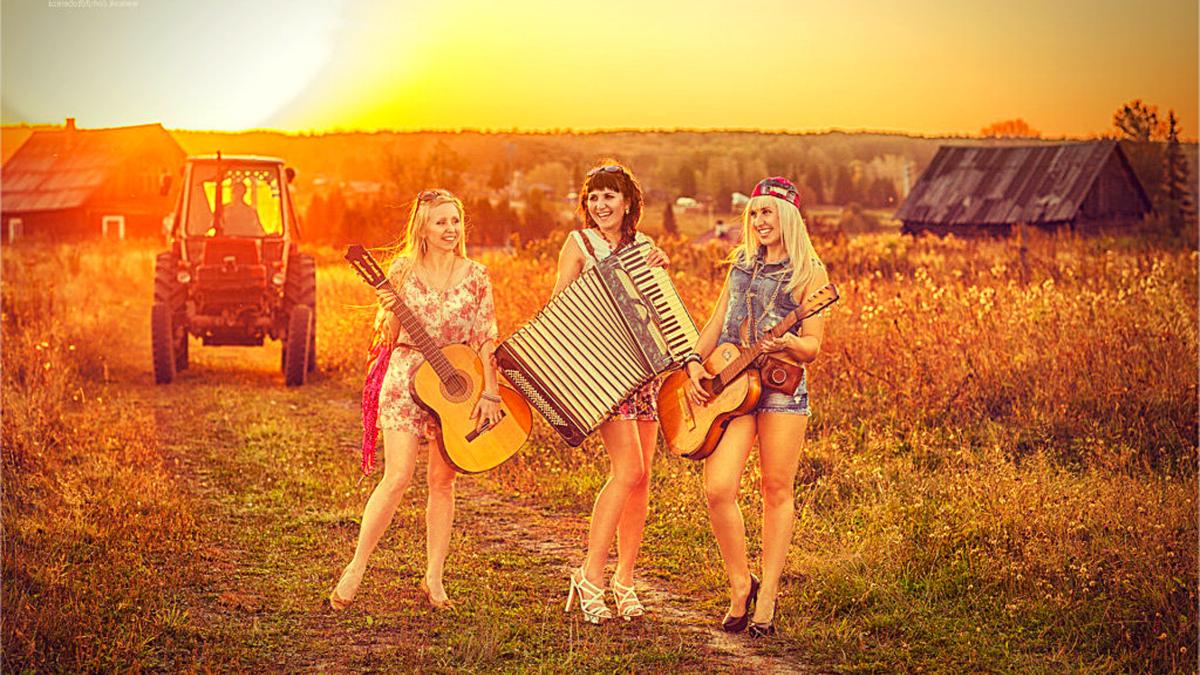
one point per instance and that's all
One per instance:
(445, 286)
(605, 239)
(441, 291)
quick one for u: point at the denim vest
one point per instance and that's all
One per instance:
(757, 289)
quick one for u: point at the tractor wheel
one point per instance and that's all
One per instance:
(167, 288)
(168, 291)
(312, 344)
(181, 351)
(299, 336)
(300, 288)
(162, 343)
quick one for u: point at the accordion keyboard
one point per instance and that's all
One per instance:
(654, 284)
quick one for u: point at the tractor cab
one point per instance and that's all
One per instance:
(234, 274)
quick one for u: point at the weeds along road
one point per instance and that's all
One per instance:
(270, 476)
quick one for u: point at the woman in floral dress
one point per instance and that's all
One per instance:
(452, 296)
(611, 205)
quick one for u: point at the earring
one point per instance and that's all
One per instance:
(424, 244)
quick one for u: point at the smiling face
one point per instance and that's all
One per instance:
(444, 227)
(763, 219)
(607, 208)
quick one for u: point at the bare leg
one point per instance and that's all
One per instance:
(626, 470)
(633, 518)
(400, 452)
(722, 480)
(779, 439)
(439, 518)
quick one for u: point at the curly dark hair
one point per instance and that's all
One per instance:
(622, 181)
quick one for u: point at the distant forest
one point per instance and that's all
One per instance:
(360, 185)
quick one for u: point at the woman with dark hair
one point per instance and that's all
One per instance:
(610, 203)
(452, 296)
(773, 271)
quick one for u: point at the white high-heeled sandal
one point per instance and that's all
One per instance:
(591, 599)
(628, 605)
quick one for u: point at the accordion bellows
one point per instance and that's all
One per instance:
(620, 324)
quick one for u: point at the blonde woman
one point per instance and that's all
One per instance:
(772, 272)
(452, 296)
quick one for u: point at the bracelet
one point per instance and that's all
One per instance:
(692, 357)
(494, 398)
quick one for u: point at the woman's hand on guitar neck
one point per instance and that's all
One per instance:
(775, 344)
(697, 375)
(803, 348)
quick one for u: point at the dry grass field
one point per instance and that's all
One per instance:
(1000, 477)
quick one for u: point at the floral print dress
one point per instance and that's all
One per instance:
(463, 314)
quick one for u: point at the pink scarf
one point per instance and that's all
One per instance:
(370, 404)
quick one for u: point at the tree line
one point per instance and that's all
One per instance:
(519, 185)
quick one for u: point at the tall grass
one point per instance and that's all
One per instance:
(90, 507)
(1000, 474)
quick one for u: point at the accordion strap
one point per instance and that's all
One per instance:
(587, 244)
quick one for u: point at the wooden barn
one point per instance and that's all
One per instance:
(976, 190)
(74, 183)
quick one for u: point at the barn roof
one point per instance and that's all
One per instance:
(1032, 184)
(60, 169)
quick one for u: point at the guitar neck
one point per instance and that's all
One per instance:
(420, 337)
(735, 368)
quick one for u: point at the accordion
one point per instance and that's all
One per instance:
(616, 327)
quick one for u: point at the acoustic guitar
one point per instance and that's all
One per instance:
(694, 431)
(449, 383)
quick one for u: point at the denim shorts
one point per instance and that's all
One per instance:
(775, 401)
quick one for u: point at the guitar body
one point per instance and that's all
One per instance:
(463, 448)
(694, 431)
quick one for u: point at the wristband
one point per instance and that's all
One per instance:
(494, 398)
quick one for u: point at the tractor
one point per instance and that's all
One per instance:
(234, 274)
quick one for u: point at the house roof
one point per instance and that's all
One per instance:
(60, 169)
(977, 185)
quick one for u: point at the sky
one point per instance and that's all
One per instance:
(922, 67)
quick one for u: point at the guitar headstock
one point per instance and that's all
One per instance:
(362, 262)
(826, 296)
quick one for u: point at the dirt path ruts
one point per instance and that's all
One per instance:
(542, 532)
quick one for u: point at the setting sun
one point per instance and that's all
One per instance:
(921, 68)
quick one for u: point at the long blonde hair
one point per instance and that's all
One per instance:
(413, 248)
(796, 243)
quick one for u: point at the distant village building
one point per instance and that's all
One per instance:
(979, 190)
(75, 183)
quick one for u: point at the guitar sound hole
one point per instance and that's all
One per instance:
(456, 387)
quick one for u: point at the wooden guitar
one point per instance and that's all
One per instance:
(694, 431)
(449, 383)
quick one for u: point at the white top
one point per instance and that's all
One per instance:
(599, 244)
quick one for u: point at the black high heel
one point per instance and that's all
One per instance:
(737, 624)
(761, 630)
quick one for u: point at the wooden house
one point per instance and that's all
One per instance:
(74, 183)
(981, 190)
